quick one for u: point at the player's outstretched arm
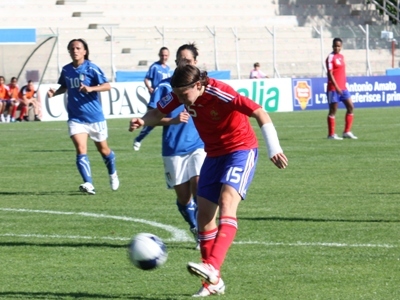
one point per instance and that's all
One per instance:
(270, 136)
(52, 92)
(151, 118)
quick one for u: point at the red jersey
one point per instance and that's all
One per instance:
(4, 92)
(26, 92)
(14, 91)
(335, 63)
(221, 116)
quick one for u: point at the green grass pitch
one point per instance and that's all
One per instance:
(327, 227)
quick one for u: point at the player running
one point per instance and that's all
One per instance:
(84, 80)
(182, 149)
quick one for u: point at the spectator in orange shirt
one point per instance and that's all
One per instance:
(26, 97)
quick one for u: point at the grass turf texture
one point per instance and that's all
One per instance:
(327, 227)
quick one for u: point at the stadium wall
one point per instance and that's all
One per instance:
(130, 99)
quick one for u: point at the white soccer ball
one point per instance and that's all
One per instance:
(147, 251)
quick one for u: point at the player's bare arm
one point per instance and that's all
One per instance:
(270, 135)
(151, 118)
(183, 117)
(52, 92)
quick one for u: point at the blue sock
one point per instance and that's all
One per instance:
(145, 131)
(189, 213)
(83, 165)
(109, 160)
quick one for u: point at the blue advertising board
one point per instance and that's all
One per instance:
(373, 91)
(17, 35)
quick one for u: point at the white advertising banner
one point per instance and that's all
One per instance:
(130, 99)
(124, 100)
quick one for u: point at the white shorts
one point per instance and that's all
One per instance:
(98, 131)
(179, 169)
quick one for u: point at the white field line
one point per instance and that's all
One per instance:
(178, 234)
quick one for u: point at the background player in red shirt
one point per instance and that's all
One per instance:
(221, 116)
(337, 92)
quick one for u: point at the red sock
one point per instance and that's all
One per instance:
(13, 110)
(24, 110)
(331, 125)
(207, 239)
(348, 122)
(226, 233)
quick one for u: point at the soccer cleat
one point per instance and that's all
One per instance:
(334, 137)
(26, 119)
(136, 145)
(205, 271)
(3, 120)
(196, 237)
(88, 188)
(37, 119)
(211, 289)
(114, 181)
(349, 135)
(8, 119)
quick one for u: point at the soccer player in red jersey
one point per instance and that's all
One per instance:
(337, 91)
(221, 116)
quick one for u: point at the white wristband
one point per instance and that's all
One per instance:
(271, 139)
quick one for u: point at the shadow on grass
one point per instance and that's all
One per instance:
(90, 244)
(51, 151)
(316, 220)
(51, 295)
(42, 193)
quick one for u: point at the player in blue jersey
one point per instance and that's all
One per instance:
(157, 72)
(182, 149)
(83, 80)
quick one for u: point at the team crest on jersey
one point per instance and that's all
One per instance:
(214, 115)
(166, 100)
(81, 77)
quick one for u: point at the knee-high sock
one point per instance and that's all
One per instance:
(13, 111)
(83, 165)
(188, 212)
(207, 239)
(331, 125)
(226, 234)
(23, 112)
(348, 122)
(109, 160)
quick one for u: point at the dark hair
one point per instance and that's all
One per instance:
(14, 78)
(336, 39)
(186, 75)
(162, 49)
(85, 45)
(256, 64)
(2, 77)
(190, 47)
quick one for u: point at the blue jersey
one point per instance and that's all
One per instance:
(83, 107)
(157, 72)
(177, 139)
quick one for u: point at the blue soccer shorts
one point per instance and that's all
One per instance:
(235, 169)
(335, 97)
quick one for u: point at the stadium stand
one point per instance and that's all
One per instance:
(244, 32)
